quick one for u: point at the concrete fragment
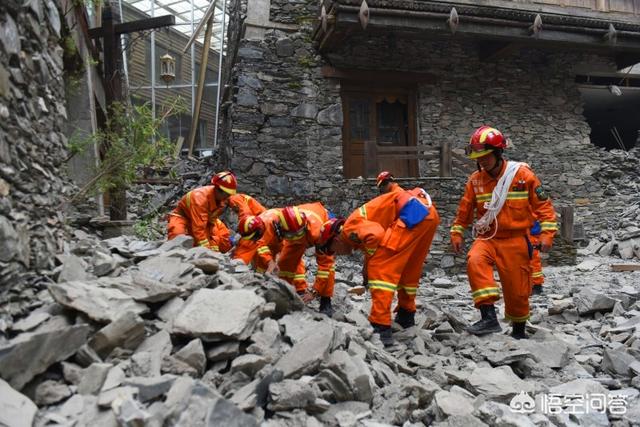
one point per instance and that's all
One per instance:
(617, 362)
(288, 395)
(170, 309)
(193, 355)
(146, 289)
(166, 269)
(30, 322)
(207, 265)
(250, 364)
(306, 356)
(73, 268)
(223, 351)
(106, 398)
(355, 373)
(100, 304)
(159, 343)
(588, 302)
(150, 388)
(128, 412)
(217, 315)
(93, 377)
(127, 331)
(31, 353)
(50, 392)
(499, 383)
(449, 404)
(16, 410)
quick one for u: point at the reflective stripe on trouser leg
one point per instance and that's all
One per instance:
(419, 248)
(480, 262)
(537, 276)
(515, 275)
(326, 275)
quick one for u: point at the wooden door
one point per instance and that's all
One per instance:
(381, 116)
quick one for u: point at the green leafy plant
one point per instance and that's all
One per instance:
(131, 139)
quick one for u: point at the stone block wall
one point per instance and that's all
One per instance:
(32, 144)
(285, 133)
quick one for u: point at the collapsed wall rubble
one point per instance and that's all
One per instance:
(161, 333)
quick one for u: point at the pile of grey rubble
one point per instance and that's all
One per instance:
(137, 333)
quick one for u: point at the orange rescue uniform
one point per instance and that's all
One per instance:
(220, 237)
(243, 204)
(196, 215)
(537, 276)
(290, 262)
(508, 249)
(394, 254)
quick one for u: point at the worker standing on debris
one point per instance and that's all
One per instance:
(386, 183)
(300, 226)
(394, 231)
(197, 212)
(537, 276)
(506, 197)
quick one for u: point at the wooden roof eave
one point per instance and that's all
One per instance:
(434, 23)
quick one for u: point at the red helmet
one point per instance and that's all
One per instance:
(291, 223)
(328, 232)
(384, 176)
(251, 227)
(226, 181)
(484, 140)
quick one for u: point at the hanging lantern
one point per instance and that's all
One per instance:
(167, 68)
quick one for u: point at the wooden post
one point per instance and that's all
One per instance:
(201, 81)
(446, 161)
(370, 159)
(566, 224)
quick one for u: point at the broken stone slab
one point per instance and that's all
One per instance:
(548, 351)
(106, 398)
(218, 315)
(329, 417)
(306, 356)
(443, 283)
(150, 388)
(225, 413)
(456, 421)
(93, 378)
(73, 268)
(29, 354)
(170, 309)
(588, 265)
(143, 288)
(288, 395)
(171, 365)
(128, 412)
(182, 241)
(588, 302)
(170, 270)
(298, 326)
(127, 331)
(499, 383)
(617, 362)
(207, 265)
(16, 409)
(193, 355)
(447, 404)
(506, 356)
(49, 392)
(250, 364)
(267, 341)
(498, 414)
(223, 351)
(581, 386)
(100, 304)
(103, 264)
(282, 294)
(114, 378)
(146, 364)
(159, 343)
(30, 322)
(355, 373)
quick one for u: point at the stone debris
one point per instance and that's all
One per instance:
(184, 345)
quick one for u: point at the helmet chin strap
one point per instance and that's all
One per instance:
(497, 165)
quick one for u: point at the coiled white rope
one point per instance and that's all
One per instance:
(498, 197)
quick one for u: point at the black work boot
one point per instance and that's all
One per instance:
(518, 330)
(536, 290)
(385, 334)
(405, 318)
(325, 306)
(488, 323)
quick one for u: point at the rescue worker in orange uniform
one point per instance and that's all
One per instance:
(537, 276)
(505, 197)
(197, 212)
(394, 231)
(300, 226)
(244, 206)
(220, 239)
(386, 183)
(262, 243)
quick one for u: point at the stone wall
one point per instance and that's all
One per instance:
(32, 144)
(286, 119)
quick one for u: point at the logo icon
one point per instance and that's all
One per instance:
(522, 403)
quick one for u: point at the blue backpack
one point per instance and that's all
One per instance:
(413, 213)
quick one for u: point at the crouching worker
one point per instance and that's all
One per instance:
(197, 213)
(300, 226)
(394, 231)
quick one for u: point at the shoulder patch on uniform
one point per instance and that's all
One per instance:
(354, 237)
(542, 195)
